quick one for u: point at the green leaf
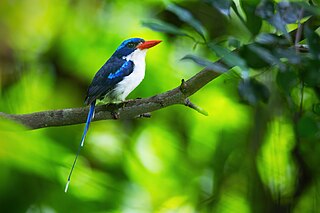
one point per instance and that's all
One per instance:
(316, 108)
(223, 6)
(188, 18)
(313, 40)
(252, 59)
(234, 43)
(287, 80)
(267, 38)
(253, 92)
(228, 57)
(258, 57)
(266, 55)
(290, 54)
(279, 24)
(160, 26)
(310, 72)
(217, 67)
(266, 10)
(279, 48)
(307, 127)
(272, 39)
(289, 12)
(253, 22)
(308, 9)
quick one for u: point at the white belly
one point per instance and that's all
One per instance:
(130, 82)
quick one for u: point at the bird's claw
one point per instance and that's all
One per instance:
(124, 103)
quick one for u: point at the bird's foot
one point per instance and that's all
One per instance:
(124, 103)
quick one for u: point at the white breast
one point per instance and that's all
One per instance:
(130, 82)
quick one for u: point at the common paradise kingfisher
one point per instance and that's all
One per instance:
(116, 79)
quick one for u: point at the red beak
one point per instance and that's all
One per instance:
(148, 44)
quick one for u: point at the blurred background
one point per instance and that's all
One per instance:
(238, 159)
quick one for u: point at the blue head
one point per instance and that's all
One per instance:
(130, 45)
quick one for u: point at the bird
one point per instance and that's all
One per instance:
(115, 80)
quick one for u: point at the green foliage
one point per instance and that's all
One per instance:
(206, 63)
(279, 69)
(252, 91)
(164, 27)
(253, 22)
(186, 16)
(222, 6)
(274, 51)
(257, 151)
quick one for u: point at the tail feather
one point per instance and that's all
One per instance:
(89, 118)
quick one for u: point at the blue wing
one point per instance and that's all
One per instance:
(111, 73)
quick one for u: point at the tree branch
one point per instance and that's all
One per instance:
(127, 110)
(139, 107)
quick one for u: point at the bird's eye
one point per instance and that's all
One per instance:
(130, 45)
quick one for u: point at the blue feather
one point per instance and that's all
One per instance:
(89, 118)
(105, 80)
(124, 70)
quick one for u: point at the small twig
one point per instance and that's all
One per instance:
(188, 103)
(302, 48)
(144, 115)
(296, 44)
(183, 86)
(299, 31)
